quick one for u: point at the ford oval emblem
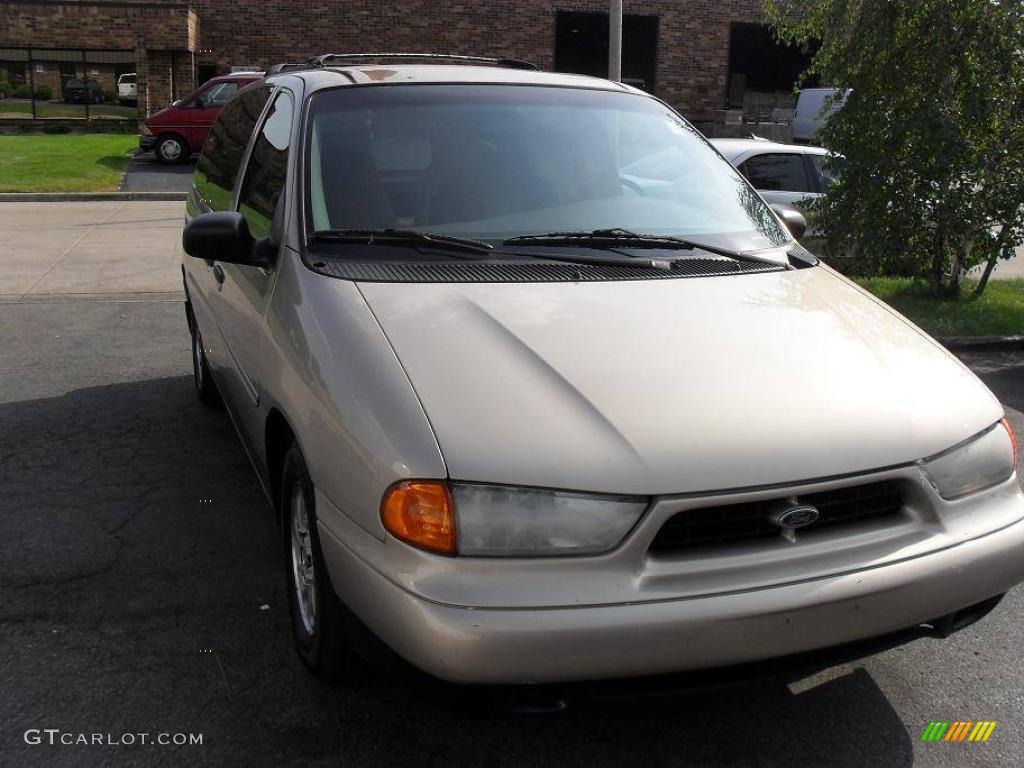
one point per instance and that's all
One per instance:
(797, 517)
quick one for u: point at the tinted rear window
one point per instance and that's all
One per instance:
(782, 172)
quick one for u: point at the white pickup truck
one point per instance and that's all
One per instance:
(127, 90)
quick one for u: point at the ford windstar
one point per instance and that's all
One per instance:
(541, 389)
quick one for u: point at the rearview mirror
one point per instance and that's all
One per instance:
(222, 236)
(792, 218)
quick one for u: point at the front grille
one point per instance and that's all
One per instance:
(751, 521)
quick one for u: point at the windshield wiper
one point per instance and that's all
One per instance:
(634, 262)
(402, 237)
(623, 238)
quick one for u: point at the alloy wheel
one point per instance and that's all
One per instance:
(303, 566)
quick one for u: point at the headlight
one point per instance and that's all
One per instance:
(503, 521)
(983, 462)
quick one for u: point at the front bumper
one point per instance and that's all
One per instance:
(633, 612)
(513, 645)
(146, 143)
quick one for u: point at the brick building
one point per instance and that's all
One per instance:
(699, 55)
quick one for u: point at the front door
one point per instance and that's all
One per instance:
(246, 290)
(216, 177)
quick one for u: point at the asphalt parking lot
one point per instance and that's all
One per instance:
(128, 604)
(147, 174)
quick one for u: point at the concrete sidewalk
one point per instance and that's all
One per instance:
(90, 250)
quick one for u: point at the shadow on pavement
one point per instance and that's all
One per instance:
(1008, 385)
(146, 174)
(129, 603)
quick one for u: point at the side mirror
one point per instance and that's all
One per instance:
(792, 218)
(222, 236)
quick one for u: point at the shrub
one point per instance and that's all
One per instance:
(110, 96)
(929, 145)
(6, 89)
(23, 92)
(44, 93)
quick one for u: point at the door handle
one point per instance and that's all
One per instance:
(218, 274)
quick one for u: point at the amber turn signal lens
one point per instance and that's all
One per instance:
(420, 513)
(1013, 441)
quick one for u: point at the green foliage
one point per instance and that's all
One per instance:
(930, 143)
(44, 93)
(1000, 312)
(23, 92)
(110, 96)
(6, 89)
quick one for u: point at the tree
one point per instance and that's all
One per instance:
(930, 142)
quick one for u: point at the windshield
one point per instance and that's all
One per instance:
(494, 162)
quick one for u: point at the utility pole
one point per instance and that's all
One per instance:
(615, 40)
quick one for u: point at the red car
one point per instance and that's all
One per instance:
(177, 131)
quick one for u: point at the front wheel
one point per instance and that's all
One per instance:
(318, 618)
(170, 149)
(206, 387)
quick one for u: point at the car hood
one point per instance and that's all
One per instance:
(156, 116)
(675, 386)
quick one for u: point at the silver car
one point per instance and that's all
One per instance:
(787, 174)
(529, 417)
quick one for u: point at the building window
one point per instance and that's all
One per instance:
(581, 46)
(759, 62)
(13, 72)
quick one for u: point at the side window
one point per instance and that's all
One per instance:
(265, 174)
(826, 173)
(782, 172)
(218, 165)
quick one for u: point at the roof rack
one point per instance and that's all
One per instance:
(320, 61)
(286, 67)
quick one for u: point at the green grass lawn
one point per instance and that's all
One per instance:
(999, 311)
(64, 163)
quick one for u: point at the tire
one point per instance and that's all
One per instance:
(317, 616)
(202, 378)
(171, 149)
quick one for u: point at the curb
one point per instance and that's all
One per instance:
(982, 343)
(80, 197)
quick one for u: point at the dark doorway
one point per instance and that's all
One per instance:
(204, 72)
(758, 62)
(581, 46)
(67, 73)
(13, 72)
